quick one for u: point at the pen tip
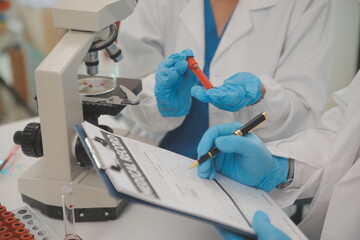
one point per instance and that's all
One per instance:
(194, 164)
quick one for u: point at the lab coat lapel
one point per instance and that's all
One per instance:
(193, 23)
(347, 138)
(240, 23)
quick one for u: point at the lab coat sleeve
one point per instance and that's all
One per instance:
(296, 94)
(310, 150)
(141, 38)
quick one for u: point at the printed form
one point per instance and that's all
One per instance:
(162, 177)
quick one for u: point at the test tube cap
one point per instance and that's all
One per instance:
(6, 236)
(9, 220)
(2, 209)
(3, 229)
(21, 231)
(6, 214)
(17, 225)
(26, 236)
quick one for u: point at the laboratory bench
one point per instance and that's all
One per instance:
(134, 222)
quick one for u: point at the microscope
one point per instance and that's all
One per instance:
(61, 106)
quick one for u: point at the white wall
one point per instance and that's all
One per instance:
(345, 58)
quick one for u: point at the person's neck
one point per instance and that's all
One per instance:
(222, 10)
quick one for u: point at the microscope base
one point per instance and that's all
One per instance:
(91, 199)
(89, 214)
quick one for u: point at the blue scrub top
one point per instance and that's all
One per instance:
(185, 139)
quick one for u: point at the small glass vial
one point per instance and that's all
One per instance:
(68, 213)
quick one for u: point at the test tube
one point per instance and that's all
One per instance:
(17, 225)
(68, 213)
(3, 229)
(27, 236)
(194, 66)
(6, 236)
(6, 214)
(9, 220)
(19, 231)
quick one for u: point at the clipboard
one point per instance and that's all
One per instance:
(100, 167)
(104, 166)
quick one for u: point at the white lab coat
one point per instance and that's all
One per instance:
(287, 43)
(327, 167)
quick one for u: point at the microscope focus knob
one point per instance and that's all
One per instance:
(30, 140)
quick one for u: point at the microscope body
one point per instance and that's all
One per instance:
(60, 108)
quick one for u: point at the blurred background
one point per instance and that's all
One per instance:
(27, 35)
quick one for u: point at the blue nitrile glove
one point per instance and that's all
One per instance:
(238, 91)
(263, 228)
(173, 83)
(242, 158)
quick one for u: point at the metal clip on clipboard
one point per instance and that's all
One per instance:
(94, 153)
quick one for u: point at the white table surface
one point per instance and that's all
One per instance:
(135, 222)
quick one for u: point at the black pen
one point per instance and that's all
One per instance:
(250, 126)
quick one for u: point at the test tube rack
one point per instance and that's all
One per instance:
(23, 224)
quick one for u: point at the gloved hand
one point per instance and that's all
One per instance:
(238, 91)
(242, 158)
(263, 228)
(173, 83)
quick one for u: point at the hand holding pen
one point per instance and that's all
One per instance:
(253, 124)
